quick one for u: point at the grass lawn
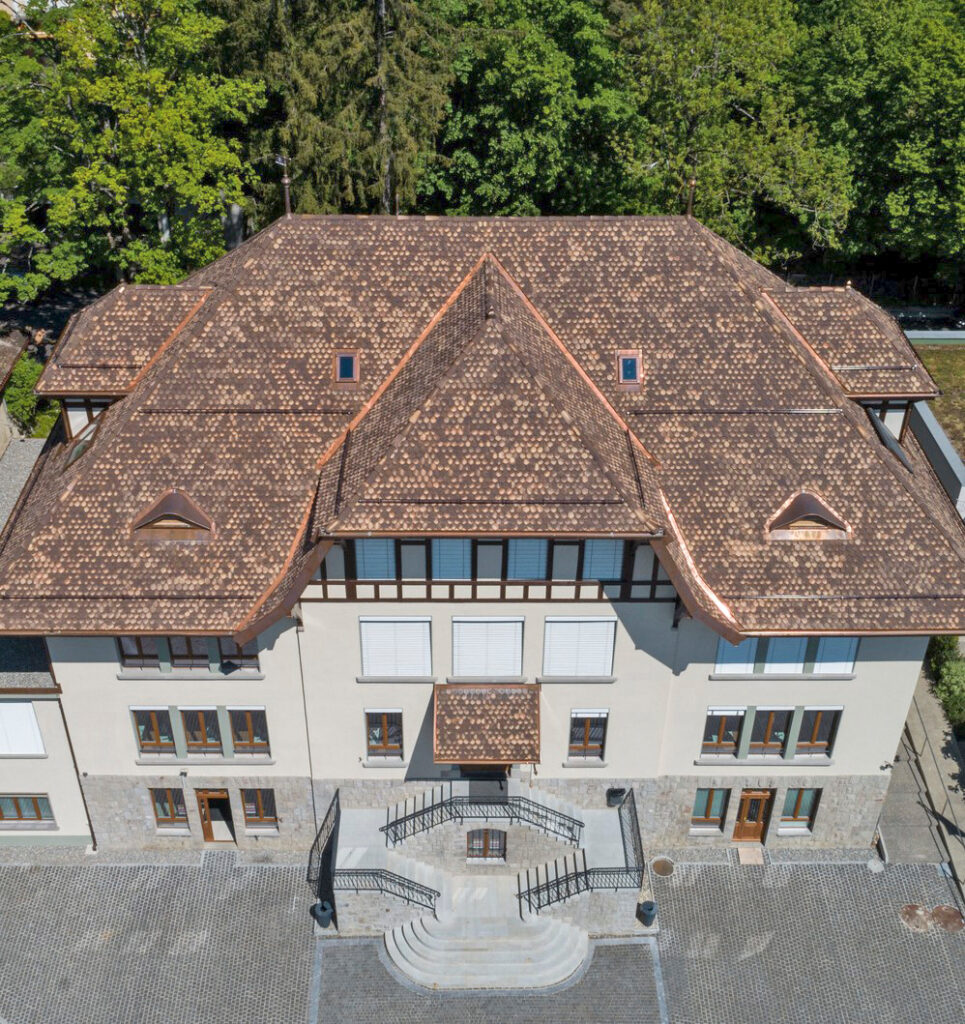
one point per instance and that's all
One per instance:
(946, 363)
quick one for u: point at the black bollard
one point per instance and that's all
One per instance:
(322, 912)
(647, 912)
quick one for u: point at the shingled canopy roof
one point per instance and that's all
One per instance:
(494, 723)
(487, 401)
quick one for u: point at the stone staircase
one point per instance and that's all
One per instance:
(478, 940)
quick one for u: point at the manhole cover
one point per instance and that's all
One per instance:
(662, 866)
(916, 917)
(948, 918)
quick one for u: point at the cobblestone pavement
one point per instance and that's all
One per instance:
(227, 941)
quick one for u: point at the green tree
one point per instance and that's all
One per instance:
(33, 415)
(117, 157)
(951, 692)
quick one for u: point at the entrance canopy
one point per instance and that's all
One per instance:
(486, 723)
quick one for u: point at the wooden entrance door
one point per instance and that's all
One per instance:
(753, 815)
(215, 810)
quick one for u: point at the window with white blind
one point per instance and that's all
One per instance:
(487, 647)
(835, 655)
(736, 659)
(19, 731)
(785, 655)
(578, 647)
(396, 647)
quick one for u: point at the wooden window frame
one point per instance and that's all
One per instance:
(710, 821)
(155, 745)
(260, 820)
(21, 803)
(492, 848)
(795, 820)
(248, 746)
(813, 745)
(192, 661)
(342, 353)
(87, 404)
(140, 660)
(722, 746)
(206, 746)
(384, 749)
(177, 820)
(767, 746)
(244, 661)
(586, 750)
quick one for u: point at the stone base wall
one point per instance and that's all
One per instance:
(369, 914)
(602, 913)
(444, 847)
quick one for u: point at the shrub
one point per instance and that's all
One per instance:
(951, 692)
(33, 415)
(941, 651)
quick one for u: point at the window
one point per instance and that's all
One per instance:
(785, 655)
(154, 734)
(201, 730)
(259, 807)
(396, 647)
(587, 733)
(769, 732)
(189, 652)
(486, 843)
(346, 367)
(489, 560)
(451, 559)
(412, 560)
(526, 559)
(806, 516)
(81, 443)
(139, 652)
(375, 559)
(603, 559)
(383, 731)
(628, 368)
(19, 732)
(736, 660)
(169, 809)
(232, 656)
(79, 412)
(174, 516)
(800, 807)
(24, 808)
(249, 730)
(578, 647)
(819, 727)
(566, 560)
(836, 655)
(722, 731)
(490, 648)
(710, 808)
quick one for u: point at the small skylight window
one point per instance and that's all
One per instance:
(629, 369)
(346, 367)
(805, 516)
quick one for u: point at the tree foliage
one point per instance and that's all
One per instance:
(32, 414)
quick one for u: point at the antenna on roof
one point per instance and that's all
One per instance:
(692, 185)
(282, 161)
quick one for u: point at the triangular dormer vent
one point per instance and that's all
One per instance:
(174, 516)
(805, 516)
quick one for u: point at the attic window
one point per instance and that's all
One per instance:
(629, 369)
(174, 516)
(346, 367)
(805, 516)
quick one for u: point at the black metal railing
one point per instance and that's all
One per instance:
(380, 880)
(321, 858)
(512, 809)
(630, 832)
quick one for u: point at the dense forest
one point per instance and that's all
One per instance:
(826, 137)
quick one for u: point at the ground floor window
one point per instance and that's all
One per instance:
(32, 807)
(800, 807)
(587, 733)
(710, 808)
(486, 843)
(169, 809)
(259, 807)
(383, 731)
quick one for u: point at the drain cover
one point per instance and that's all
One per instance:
(916, 917)
(662, 866)
(948, 918)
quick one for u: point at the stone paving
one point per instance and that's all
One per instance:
(90, 941)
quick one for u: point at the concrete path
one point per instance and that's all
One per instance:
(907, 827)
(15, 465)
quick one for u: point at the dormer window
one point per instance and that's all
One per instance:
(79, 413)
(805, 516)
(629, 369)
(893, 414)
(174, 516)
(346, 367)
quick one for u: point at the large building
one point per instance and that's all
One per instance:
(438, 513)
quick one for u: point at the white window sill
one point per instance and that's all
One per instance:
(584, 762)
(173, 830)
(214, 759)
(576, 679)
(11, 756)
(261, 830)
(705, 830)
(785, 831)
(769, 762)
(485, 680)
(764, 676)
(29, 826)
(485, 860)
(395, 679)
(182, 675)
(384, 762)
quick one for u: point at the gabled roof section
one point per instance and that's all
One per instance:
(862, 346)
(491, 426)
(176, 505)
(106, 346)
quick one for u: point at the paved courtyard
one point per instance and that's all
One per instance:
(83, 941)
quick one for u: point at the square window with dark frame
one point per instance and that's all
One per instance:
(202, 733)
(259, 805)
(819, 726)
(628, 368)
(769, 732)
(169, 808)
(710, 808)
(154, 734)
(139, 652)
(232, 656)
(722, 732)
(189, 652)
(346, 367)
(800, 808)
(587, 735)
(249, 730)
(25, 807)
(383, 733)
(486, 844)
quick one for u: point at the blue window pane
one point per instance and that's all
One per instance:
(603, 560)
(451, 559)
(628, 369)
(527, 560)
(700, 803)
(375, 559)
(346, 367)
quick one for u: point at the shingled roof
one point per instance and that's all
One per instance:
(487, 403)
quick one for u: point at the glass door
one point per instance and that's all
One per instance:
(753, 815)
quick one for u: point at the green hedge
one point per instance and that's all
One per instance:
(33, 415)
(946, 666)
